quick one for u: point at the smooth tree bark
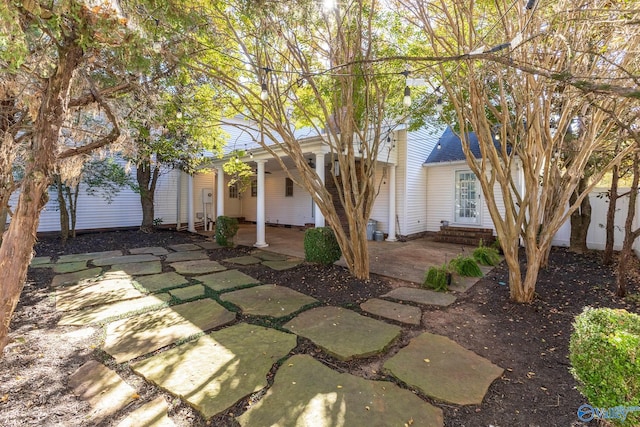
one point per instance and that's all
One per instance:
(580, 219)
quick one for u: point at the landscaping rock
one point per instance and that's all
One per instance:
(70, 267)
(217, 370)
(185, 247)
(82, 276)
(197, 267)
(158, 282)
(186, 256)
(153, 250)
(39, 260)
(307, 393)
(139, 268)
(229, 279)
(108, 290)
(421, 296)
(124, 259)
(105, 391)
(87, 256)
(244, 260)
(393, 311)
(282, 265)
(208, 245)
(269, 256)
(443, 370)
(268, 300)
(115, 311)
(343, 333)
(147, 332)
(190, 292)
(152, 414)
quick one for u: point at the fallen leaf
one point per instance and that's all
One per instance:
(135, 396)
(339, 386)
(4, 398)
(427, 360)
(367, 408)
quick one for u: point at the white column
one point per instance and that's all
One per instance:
(260, 214)
(320, 171)
(190, 215)
(220, 192)
(392, 203)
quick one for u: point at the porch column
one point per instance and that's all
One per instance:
(392, 203)
(320, 171)
(220, 191)
(190, 219)
(260, 215)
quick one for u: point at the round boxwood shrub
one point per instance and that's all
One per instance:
(321, 246)
(604, 351)
(226, 229)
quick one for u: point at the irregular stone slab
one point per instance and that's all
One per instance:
(217, 370)
(70, 267)
(444, 370)
(343, 333)
(189, 292)
(76, 277)
(152, 414)
(269, 256)
(105, 391)
(421, 296)
(244, 260)
(39, 260)
(148, 332)
(185, 247)
(153, 250)
(102, 313)
(105, 291)
(197, 267)
(393, 311)
(307, 393)
(268, 300)
(87, 256)
(282, 265)
(124, 259)
(185, 256)
(229, 279)
(139, 268)
(157, 282)
(208, 245)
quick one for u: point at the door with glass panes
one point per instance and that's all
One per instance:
(467, 201)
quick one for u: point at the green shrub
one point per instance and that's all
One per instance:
(438, 278)
(465, 266)
(604, 351)
(497, 246)
(226, 229)
(486, 256)
(321, 246)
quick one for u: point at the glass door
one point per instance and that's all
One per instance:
(467, 198)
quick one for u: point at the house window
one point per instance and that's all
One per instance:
(288, 187)
(233, 191)
(254, 188)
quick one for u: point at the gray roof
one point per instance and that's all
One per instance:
(451, 147)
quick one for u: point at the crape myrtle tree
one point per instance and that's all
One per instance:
(315, 68)
(57, 60)
(529, 75)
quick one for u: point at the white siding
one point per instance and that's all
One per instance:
(279, 209)
(204, 181)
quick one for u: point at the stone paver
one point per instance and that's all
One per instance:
(444, 370)
(76, 277)
(110, 289)
(147, 332)
(157, 282)
(343, 333)
(197, 267)
(87, 256)
(208, 245)
(105, 391)
(282, 265)
(307, 393)
(70, 267)
(153, 250)
(189, 292)
(101, 313)
(39, 260)
(229, 279)
(185, 247)
(269, 256)
(393, 311)
(139, 268)
(186, 256)
(244, 260)
(215, 371)
(124, 259)
(151, 414)
(268, 300)
(421, 296)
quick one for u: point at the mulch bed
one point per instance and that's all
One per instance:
(530, 341)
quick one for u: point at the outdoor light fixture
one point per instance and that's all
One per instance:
(439, 146)
(336, 168)
(439, 105)
(311, 163)
(406, 101)
(264, 95)
(251, 154)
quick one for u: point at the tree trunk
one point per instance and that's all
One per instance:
(73, 207)
(17, 245)
(580, 219)
(607, 255)
(147, 181)
(62, 206)
(630, 235)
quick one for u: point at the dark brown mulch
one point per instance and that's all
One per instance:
(530, 341)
